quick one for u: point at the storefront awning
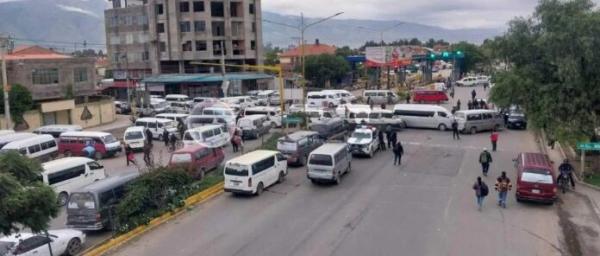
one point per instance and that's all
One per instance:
(203, 78)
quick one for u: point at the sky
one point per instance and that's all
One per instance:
(452, 14)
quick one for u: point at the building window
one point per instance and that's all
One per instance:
(187, 46)
(162, 47)
(200, 46)
(159, 9)
(45, 76)
(80, 75)
(252, 8)
(218, 28)
(185, 26)
(145, 55)
(235, 9)
(198, 6)
(237, 28)
(217, 9)
(184, 7)
(199, 26)
(115, 39)
(252, 45)
(114, 21)
(253, 27)
(160, 28)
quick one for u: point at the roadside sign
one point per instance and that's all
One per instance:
(588, 146)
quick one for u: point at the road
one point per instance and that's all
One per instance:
(424, 207)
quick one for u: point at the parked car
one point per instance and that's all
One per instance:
(252, 172)
(212, 136)
(296, 146)
(122, 107)
(429, 96)
(157, 126)
(516, 120)
(63, 242)
(467, 81)
(197, 159)
(536, 180)
(364, 141)
(8, 138)
(56, 129)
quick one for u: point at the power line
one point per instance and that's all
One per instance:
(84, 42)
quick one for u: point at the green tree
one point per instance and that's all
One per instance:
(20, 101)
(473, 55)
(323, 68)
(554, 68)
(25, 202)
(272, 55)
(345, 51)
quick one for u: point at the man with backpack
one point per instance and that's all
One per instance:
(503, 186)
(485, 158)
(481, 191)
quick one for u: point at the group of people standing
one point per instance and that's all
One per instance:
(392, 142)
(502, 186)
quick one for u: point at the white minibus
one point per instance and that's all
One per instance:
(67, 174)
(157, 126)
(135, 137)
(273, 114)
(380, 96)
(8, 138)
(41, 147)
(212, 136)
(325, 99)
(251, 173)
(329, 162)
(424, 116)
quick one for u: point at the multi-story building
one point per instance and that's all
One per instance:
(165, 36)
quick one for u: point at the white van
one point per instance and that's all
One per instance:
(326, 99)
(273, 114)
(56, 129)
(8, 138)
(344, 95)
(329, 162)
(70, 173)
(424, 116)
(6, 132)
(241, 101)
(177, 98)
(158, 106)
(157, 126)
(179, 107)
(177, 117)
(316, 114)
(225, 113)
(475, 120)
(135, 137)
(212, 136)
(254, 126)
(380, 96)
(264, 97)
(251, 173)
(41, 147)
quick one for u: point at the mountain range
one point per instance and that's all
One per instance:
(66, 24)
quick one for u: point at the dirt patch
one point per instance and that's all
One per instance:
(569, 229)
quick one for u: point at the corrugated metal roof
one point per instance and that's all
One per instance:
(203, 78)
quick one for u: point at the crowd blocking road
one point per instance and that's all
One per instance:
(426, 206)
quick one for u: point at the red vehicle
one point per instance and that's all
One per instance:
(535, 178)
(72, 144)
(197, 159)
(428, 96)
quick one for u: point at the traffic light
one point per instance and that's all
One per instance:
(445, 55)
(432, 56)
(459, 53)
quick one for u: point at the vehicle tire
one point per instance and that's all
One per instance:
(97, 155)
(281, 178)
(336, 179)
(67, 153)
(73, 247)
(473, 130)
(259, 188)
(519, 199)
(200, 174)
(313, 181)
(442, 127)
(62, 198)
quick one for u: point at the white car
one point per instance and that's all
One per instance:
(62, 241)
(364, 141)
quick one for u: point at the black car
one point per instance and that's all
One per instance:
(516, 120)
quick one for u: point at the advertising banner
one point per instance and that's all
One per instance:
(389, 56)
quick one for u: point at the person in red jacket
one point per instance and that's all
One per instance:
(494, 139)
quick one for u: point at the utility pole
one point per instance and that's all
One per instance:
(5, 44)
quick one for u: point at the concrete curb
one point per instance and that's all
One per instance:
(118, 241)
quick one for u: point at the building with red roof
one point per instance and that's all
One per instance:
(291, 58)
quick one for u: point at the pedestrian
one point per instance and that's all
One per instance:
(394, 138)
(147, 152)
(148, 136)
(494, 139)
(481, 191)
(455, 133)
(407, 98)
(452, 93)
(398, 152)
(388, 136)
(485, 158)
(371, 104)
(469, 105)
(503, 186)
(473, 94)
(381, 141)
(458, 104)
(346, 111)
(369, 100)
(173, 141)
(181, 127)
(390, 99)
(165, 137)
(129, 155)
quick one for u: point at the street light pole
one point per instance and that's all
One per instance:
(381, 44)
(5, 44)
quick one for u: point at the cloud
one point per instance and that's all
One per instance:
(77, 9)
(452, 14)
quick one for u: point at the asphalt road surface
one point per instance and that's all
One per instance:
(426, 206)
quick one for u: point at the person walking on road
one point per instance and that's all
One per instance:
(398, 152)
(129, 155)
(503, 186)
(407, 98)
(394, 139)
(388, 136)
(147, 152)
(458, 104)
(452, 93)
(455, 134)
(173, 141)
(473, 94)
(485, 158)
(381, 141)
(148, 137)
(165, 137)
(469, 105)
(494, 139)
(481, 191)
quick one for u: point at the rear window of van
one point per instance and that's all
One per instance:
(318, 159)
(537, 176)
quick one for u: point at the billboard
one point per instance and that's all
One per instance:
(389, 56)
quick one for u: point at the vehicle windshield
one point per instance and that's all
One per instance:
(236, 171)
(460, 115)
(317, 159)
(362, 115)
(245, 123)
(193, 135)
(313, 114)
(361, 135)
(109, 139)
(81, 201)
(181, 158)
(537, 176)
(135, 135)
(5, 247)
